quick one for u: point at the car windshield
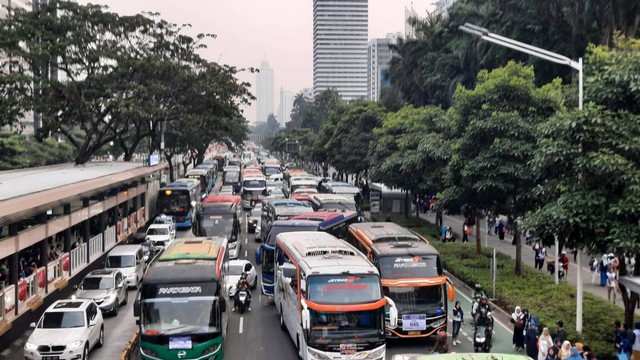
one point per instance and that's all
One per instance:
(62, 320)
(158, 231)
(97, 283)
(121, 261)
(236, 269)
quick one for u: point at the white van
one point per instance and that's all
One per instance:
(129, 259)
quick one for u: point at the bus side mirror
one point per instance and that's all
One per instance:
(306, 317)
(136, 308)
(303, 285)
(258, 259)
(451, 293)
(393, 313)
(193, 204)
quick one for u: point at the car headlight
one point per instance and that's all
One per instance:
(212, 349)
(30, 346)
(131, 275)
(75, 344)
(317, 354)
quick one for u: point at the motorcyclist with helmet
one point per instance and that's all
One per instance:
(478, 291)
(243, 284)
(476, 297)
(483, 305)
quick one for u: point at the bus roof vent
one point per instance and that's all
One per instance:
(395, 238)
(403, 245)
(332, 256)
(325, 252)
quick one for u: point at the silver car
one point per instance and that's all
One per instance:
(253, 217)
(107, 288)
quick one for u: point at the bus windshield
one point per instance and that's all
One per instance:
(271, 170)
(166, 316)
(231, 177)
(254, 184)
(344, 289)
(331, 328)
(410, 267)
(339, 206)
(176, 203)
(218, 225)
(417, 300)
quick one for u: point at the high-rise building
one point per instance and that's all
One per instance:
(442, 6)
(307, 93)
(285, 107)
(380, 54)
(340, 35)
(409, 30)
(264, 92)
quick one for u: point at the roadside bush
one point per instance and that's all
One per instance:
(535, 289)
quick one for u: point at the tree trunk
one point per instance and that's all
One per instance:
(478, 239)
(516, 235)
(629, 299)
(169, 158)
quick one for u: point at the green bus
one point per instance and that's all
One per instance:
(181, 308)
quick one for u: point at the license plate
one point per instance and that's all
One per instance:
(50, 357)
(347, 349)
(413, 333)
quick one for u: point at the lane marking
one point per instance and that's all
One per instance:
(241, 323)
(245, 253)
(245, 240)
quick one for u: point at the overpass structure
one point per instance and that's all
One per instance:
(56, 220)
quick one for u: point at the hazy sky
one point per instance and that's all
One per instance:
(248, 29)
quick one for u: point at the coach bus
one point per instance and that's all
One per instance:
(329, 298)
(189, 275)
(180, 199)
(334, 223)
(254, 189)
(412, 276)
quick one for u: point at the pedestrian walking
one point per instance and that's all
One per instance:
(518, 320)
(565, 350)
(635, 348)
(540, 255)
(630, 262)
(531, 340)
(604, 268)
(496, 223)
(593, 267)
(501, 230)
(544, 344)
(612, 284)
(448, 235)
(490, 224)
(458, 321)
(466, 231)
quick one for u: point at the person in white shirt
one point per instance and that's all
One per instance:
(612, 284)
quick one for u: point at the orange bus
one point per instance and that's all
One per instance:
(412, 276)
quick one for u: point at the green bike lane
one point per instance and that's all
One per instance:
(502, 337)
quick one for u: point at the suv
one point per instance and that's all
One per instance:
(107, 288)
(169, 220)
(68, 329)
(159, 235)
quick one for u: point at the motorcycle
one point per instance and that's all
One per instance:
(482, 338)
(243, 301)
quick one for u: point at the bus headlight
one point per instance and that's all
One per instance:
(317, 354)
(435, 324)
(212, 349)
(376, 354)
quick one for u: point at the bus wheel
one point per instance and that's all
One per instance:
(283, 326)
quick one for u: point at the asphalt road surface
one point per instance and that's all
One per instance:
(256, 335)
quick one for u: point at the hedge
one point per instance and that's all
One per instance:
(535, 289)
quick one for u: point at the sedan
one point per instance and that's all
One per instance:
(236, 268)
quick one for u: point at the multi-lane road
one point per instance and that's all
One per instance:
(256, 335)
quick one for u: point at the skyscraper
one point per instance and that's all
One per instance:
(442, 7)
(380, 55)
(340, 35)
(264, 92)
(286, 105)
(409, 30)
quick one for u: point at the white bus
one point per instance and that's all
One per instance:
(329, 298)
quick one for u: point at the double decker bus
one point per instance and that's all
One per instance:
(412, 275)
(180, 199)
(181, 307)
(334, 223)
(329, 298)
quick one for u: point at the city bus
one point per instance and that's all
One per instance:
(203, 176)
(271, 167)
(412, 276)
(231, 176)
(334, 223)
(181, 308)
(332, 202)
(215, 218)
(254, 189)
(180, 199)
(329, 298)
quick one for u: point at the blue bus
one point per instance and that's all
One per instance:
(333, 222)
(180, 199)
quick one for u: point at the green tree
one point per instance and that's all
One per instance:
(493, 141)
(19, 151)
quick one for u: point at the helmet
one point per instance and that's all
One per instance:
(564, 252)
(483, 312)
(484, 297)
(478, 287)
(243, 276)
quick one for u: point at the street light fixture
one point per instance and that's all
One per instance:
(484, 34)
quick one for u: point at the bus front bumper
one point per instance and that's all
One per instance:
(375, 354)
(433, 326)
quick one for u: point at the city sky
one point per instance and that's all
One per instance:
(250, 30)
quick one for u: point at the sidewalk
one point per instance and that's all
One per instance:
(506, 248)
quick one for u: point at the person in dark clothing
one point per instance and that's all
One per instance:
(500, 229)
(530, 340)
(236, 226)
(458, 320)
(561, 333)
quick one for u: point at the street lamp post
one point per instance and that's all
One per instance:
(484, 34)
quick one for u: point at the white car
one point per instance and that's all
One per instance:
(167, 219)
(234, 249)
(236, 268)
(67, 330)
(159, 235)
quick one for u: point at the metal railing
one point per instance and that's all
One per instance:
(110, 237)
(27, 287)
(78, 257)
(95, 247)
(8, 300)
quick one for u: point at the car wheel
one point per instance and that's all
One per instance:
(126, 297)
(100, 341)
(85, 355)
(116, 308)
(255, 283)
